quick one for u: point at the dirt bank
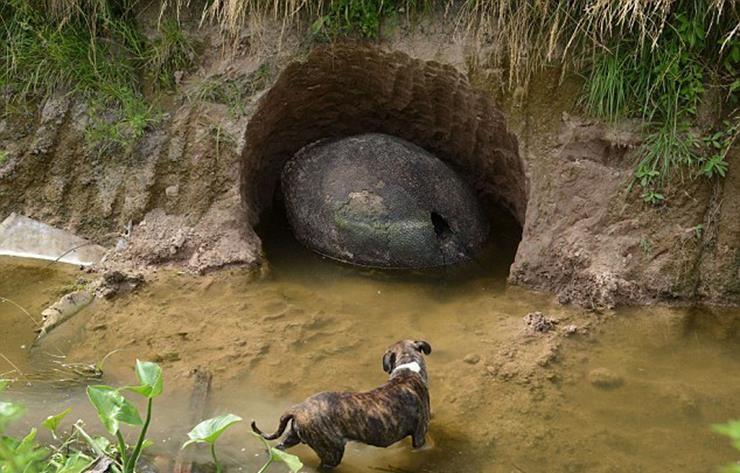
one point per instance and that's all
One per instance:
(194, 187)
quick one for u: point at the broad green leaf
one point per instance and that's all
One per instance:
(102, 444)
(52, 422)
(76, 463)
(150, 377)
(112, 408)
(292, 461)
(731, 429)
(210, 430)
(9, 411)
(26, 445)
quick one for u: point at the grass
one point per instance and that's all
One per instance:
(660, 78)
(169, 53)
(649, 60)
(93, 50)
(229, 90)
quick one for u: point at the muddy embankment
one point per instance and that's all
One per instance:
(191, 191)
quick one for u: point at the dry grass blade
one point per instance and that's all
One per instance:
(36, 323)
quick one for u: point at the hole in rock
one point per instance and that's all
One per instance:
(441, 227)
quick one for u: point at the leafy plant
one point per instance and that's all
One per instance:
(652, 197)
(114, 409)
(17, 455)
(277, 455)
(732, 430)
(662, 83)
(52, 422)
(361, 18)
(210, 430)
(719, 144)
(3, 157)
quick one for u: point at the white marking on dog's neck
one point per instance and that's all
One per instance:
(413, 366)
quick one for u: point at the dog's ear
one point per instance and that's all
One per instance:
(389, 360)
(423, 346)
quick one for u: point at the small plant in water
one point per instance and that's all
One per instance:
(210, 430)
(114, 409)
(78, 452)
(277, 455)
(732, 430)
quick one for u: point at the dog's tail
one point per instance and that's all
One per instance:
(284, 419)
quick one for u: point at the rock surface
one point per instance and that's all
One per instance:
(537, 322)
(377, 200)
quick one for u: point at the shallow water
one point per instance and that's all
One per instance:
(27, 287)
(502, 401)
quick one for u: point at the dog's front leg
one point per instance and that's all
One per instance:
(418, 438)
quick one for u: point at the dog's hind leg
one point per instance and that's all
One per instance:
(329, 450)
(290, 440)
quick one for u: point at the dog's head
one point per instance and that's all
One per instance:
(407, 354)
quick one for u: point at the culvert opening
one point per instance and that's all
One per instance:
(345, 91)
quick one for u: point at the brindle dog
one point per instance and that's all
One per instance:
(381, 417)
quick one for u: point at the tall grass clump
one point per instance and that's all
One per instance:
(662, 81)
(93, 49)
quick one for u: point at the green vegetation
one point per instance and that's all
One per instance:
(78, 451)
(209, 432)
(362, 18)
(92, 50)
(663, 83)
(656, 61)
(732, 430)
(3, 157)
(230, 91)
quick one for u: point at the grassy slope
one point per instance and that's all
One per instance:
(647, 60)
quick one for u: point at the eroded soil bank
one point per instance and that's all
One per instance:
(193, 189)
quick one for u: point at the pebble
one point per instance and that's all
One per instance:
(604, 378)
(471, 359)
(172, 191)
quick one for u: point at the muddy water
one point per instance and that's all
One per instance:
(27, 287)
(503, 400)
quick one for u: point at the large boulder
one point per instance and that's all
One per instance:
(377, 200)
